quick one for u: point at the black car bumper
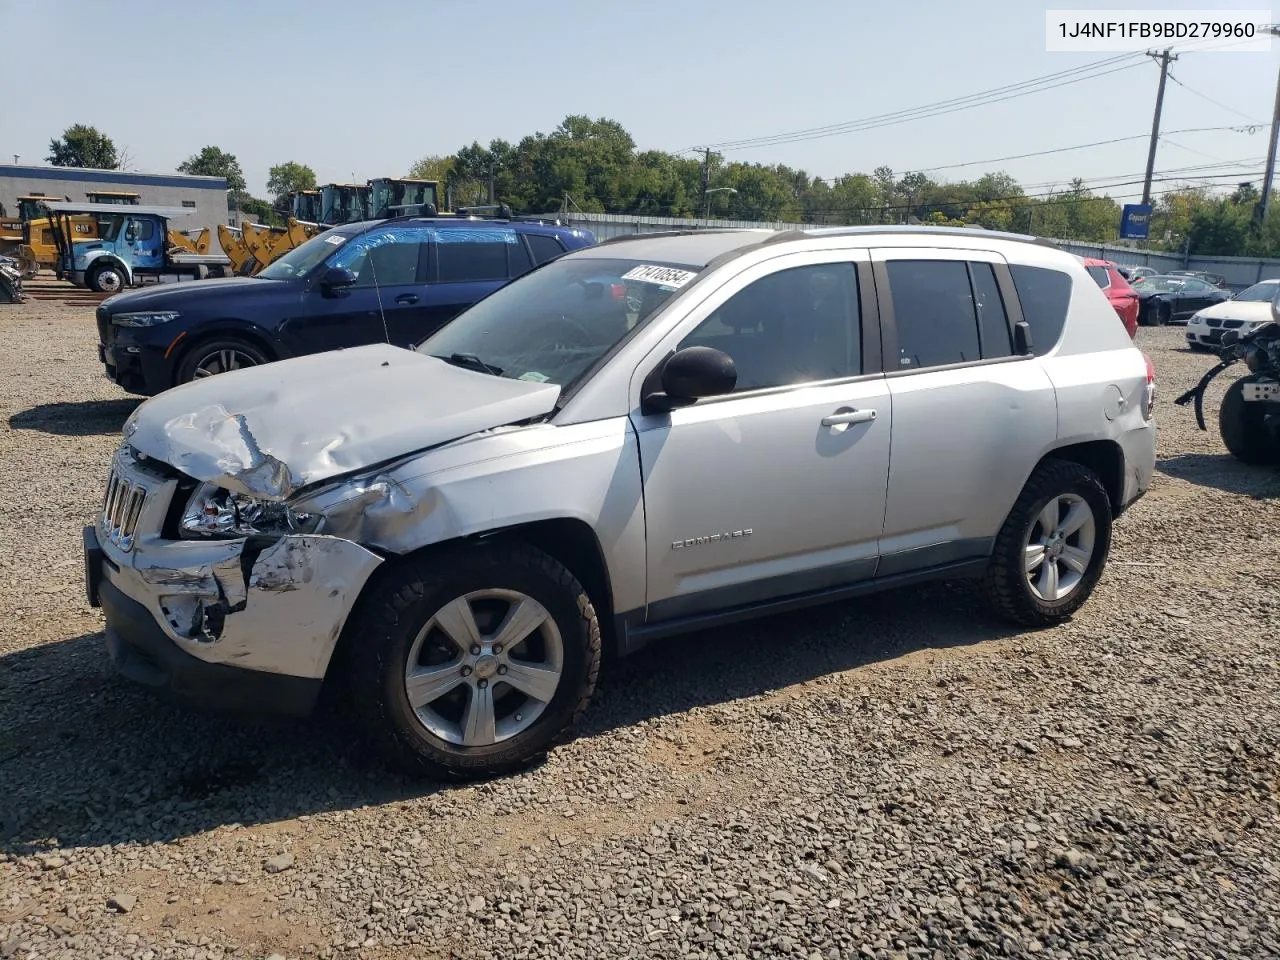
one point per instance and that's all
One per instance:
(139, 369)
(143, 653)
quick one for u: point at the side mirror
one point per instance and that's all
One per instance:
(336, 279)
(687, 376)
(1022, 344)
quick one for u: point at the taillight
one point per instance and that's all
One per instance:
(618, 291)
(1150, 400)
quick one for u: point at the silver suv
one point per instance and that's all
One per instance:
(642, 438)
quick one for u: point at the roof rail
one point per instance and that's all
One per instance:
(785, 236)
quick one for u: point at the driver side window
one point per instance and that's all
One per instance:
(798, 325)
(390, 256)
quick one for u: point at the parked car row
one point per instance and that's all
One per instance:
(636, 439)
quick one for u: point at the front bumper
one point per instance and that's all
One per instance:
(1202, 336)
(222, 622)
(139, 368)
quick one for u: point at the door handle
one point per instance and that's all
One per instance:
(407, 298)
(848, 415)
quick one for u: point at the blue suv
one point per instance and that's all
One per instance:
(397, 281)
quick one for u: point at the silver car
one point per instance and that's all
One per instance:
(642, 438)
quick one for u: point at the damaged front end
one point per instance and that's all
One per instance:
(224, 580)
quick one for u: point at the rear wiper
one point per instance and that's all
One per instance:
(470, 361)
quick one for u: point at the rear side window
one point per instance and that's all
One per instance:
(471, 255)
(1100, 276)
(1044, 295)
(544, 248)
(933, 312)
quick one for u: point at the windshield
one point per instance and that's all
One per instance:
(554, 324)
(1100, 276)
(301, 260)
(1259, 292)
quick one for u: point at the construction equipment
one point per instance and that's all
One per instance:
(254, 245)
(114, 196)
(343, 203)
(131, 244)
(304, 206)
(389, 197)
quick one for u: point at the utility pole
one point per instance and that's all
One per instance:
(706, 183)
(1165, 59)
(1265, 201)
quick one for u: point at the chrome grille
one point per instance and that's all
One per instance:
(121, 510)
(1213, 321)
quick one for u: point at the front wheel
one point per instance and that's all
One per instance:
(218, 356)
(1244, 428)
(106, 278)
(1053, 546)
(475, 661)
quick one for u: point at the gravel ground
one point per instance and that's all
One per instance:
(900, 776)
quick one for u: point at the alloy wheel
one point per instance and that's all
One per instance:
(220, 361)
(1059, 547)
(484, 667)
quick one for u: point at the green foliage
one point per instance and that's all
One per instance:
(286, 178)
(215, 162)
(259, 211)
(83, 146)
(592, 165)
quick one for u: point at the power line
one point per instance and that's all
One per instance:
(955, 104)
(1217, 103)
(1048, 152)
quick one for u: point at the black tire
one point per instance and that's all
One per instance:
(1006, 582)
(199, 355)
(1161, 314)
(1243, 428)
(106, 278)
(381, 635)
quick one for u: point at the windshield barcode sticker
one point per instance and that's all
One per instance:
(663, 276)
(336, 238)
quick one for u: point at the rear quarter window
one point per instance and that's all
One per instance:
(1044, 294)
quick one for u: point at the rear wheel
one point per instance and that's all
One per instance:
(1244, 428)
(218, 356)
(1053, 547)
(473, 662)
(106, 278)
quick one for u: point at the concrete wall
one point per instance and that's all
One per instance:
(205, 196)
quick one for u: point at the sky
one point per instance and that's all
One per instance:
(363, 90)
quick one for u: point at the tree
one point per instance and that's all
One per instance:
(215, 162)
(83, 146)
(286, 178)
(431, 167)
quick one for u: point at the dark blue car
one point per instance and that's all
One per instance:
(396, 280)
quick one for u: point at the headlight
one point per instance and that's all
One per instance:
(1195, 318)
(214, 512)
(151, 318)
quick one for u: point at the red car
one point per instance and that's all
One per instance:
(1117, 289)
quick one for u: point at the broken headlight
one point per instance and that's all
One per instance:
(215, 512)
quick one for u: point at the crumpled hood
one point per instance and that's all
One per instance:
(1247, 310)
(268, 431)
